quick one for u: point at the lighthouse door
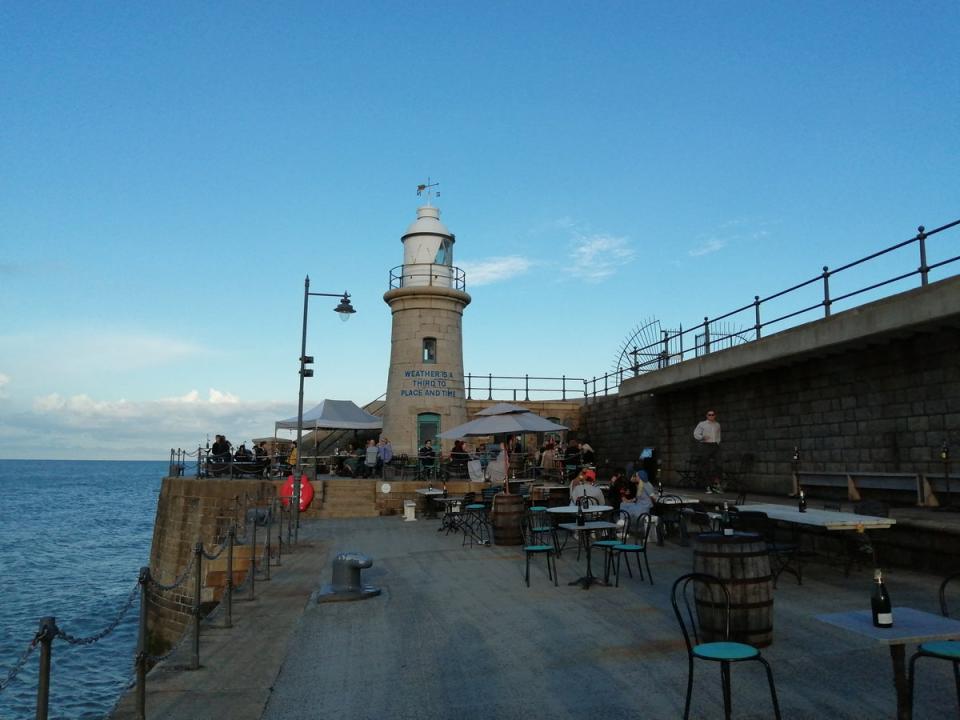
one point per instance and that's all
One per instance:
(428, 427)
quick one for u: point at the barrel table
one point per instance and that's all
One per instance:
(506, 518)
(742, 562)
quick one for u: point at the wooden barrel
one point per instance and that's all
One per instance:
(506, 519)
(742, 562)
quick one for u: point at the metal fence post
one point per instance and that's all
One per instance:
(826, 291)
(253, 557)
(197, 579)
(469, 386)
(141, 661)
(45, 636)
(228, 590)
(756, 315)
(170, 465)
(922, 239)
(706, 335)
(490, 386)
(564, 384)
(199, 457)
(526, 386)
(269, 523)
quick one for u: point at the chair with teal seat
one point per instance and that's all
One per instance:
(614, 538)
(700, 600)
(542, 526)
(940, 649)
(476, 523)
(534, 545)
(639, 529)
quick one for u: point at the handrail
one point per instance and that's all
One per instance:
(671, 348)
(428, 275)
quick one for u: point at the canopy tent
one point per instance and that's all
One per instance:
(334, 415)
(502, 418)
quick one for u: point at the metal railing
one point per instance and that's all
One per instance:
(701, 339)
(513, 390)
(428, 275)
(149, 589)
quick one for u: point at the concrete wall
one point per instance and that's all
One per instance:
(190, 510)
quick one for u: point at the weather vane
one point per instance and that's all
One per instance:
(428, 189)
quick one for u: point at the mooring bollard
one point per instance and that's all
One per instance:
(346, 583)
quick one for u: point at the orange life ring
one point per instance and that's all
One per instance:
(306, 492)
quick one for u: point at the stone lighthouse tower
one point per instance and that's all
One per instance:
(427, 295)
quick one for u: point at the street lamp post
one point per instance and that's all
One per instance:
(345, 310)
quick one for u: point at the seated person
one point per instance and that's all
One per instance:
(643, 493)
(587, 454)
(585, 484)
(370, 458)
(242, 454)
(427, 457)
(458, 459)
(619, 484)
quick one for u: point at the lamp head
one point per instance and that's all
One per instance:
(344, 309)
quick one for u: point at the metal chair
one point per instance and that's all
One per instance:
(475, 521)
(640, 529)
(784, 555)
(941, 649)
(533, 545)
(617, 537)
(697, 598)
(668, 510)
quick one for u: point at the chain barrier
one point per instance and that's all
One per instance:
(149, 588)
(21, 661)
(180, 579)
(72, 640)
(214, 556)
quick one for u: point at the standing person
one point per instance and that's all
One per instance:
(370, 458)
(384, 454)
(587, 454)
(707, 433)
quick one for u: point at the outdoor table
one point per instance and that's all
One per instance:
(830, 520)
(572, 509)
(583, 536)
(448, 522)
(909, 626)
(430, 493)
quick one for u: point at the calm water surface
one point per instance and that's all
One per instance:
(73, 536)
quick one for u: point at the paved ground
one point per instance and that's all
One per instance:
(456, 633)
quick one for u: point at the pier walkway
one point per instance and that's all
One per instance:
(457, 634)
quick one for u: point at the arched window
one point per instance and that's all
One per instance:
(429, 350)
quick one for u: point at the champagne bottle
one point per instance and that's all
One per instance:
(581, 520)
(725, 519)
(880, 602)
(803, 501)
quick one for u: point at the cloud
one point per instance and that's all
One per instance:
(598, 256)
(492, 270)
(80, 426)
(710, 246)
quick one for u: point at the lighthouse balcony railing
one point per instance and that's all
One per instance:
(524, 387)
(428, 275)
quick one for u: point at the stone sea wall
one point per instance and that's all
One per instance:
(878, 407)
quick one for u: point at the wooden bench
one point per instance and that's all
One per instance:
(854, 484)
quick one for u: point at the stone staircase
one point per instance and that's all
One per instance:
(348, 499)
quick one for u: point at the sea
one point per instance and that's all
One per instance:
(73, 537)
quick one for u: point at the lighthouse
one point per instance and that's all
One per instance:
(427, 295)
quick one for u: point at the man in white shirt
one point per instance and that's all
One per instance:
(707, 433)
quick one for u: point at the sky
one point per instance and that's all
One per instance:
(170, 172)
